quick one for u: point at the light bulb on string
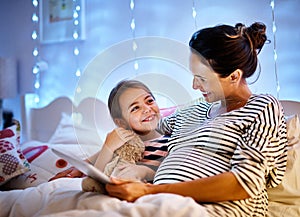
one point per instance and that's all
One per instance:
(136, 65)
(76, 51)
(132, 26)
(75, 35)
(35, 69)
(34, 35)
(274, 29)
(35, 3)
(35, 52)
(35, 18)
(78, 72)
(194, 14)
(131, 4)
(37, 85)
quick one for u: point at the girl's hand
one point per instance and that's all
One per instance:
(118, 137)
(71, 172)
(127, 189)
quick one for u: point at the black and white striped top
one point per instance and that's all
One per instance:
(250, 142)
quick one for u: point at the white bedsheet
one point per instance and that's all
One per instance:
(63, 197)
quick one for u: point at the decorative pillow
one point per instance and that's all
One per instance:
(12, 160)
(44, 164)
(288, 192)
(68, 132)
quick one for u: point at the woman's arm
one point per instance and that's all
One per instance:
(222, 187)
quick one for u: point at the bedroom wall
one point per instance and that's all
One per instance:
(108, 29)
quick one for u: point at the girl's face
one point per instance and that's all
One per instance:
(211, 85)
(139, 110)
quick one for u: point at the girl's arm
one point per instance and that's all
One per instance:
(114, 140)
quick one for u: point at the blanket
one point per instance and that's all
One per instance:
(63, 197)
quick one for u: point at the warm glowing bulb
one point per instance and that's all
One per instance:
(35, 69)
(37, 85)
(75, 14)
(76, 51)
(194, 12)
(35, 52)
(272, 4)
(75, 35)
(131, 4)
(132, 25)
(274, 28)
(35, 18)
(275, 55)
(136, 65)
(34, 35)
(78, 72)
(35, 3)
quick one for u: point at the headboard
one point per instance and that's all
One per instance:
(40, 123)
(290, 107)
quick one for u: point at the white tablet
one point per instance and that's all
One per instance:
(84, 167)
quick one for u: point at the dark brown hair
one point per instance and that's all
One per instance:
(227, 48)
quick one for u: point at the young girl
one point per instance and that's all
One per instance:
(134, 110)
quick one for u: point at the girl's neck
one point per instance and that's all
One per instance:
(150, 136)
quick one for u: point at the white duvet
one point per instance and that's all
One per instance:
(63, 197)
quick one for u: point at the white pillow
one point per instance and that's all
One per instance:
(288, 192)
(69, 132)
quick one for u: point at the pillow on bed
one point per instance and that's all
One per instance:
(288, 192)
(12, 160)
(68, 132)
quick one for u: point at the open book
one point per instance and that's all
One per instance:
(84, 167)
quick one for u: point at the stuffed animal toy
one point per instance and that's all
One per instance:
(130, 153)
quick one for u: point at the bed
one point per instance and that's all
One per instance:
(80, 130)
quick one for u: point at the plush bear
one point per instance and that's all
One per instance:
(130, 153)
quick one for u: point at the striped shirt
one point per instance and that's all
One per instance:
(250, 142)
(155, 151)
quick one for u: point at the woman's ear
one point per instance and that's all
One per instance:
(236, 76)
(120, 123)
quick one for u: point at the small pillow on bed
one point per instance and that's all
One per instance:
(12, 160)
(288, 192)
(68, 132)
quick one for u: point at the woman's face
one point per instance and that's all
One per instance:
(206, 79)
(139, 110)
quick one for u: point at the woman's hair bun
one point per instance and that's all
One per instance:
(256, 34)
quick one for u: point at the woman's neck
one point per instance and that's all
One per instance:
(236, 101)
(230, 103)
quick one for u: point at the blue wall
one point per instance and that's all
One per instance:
(108, 28)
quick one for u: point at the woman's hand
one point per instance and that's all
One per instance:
(118, 137)
(71, 172)
(135, 172)
(126, 189)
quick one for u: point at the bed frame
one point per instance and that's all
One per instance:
(40, 123)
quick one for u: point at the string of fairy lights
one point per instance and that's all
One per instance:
(132, 26)
(37, 68)
(76, 22)
(274, 29)
(194, 14)
(36, 49)
(76, 36)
